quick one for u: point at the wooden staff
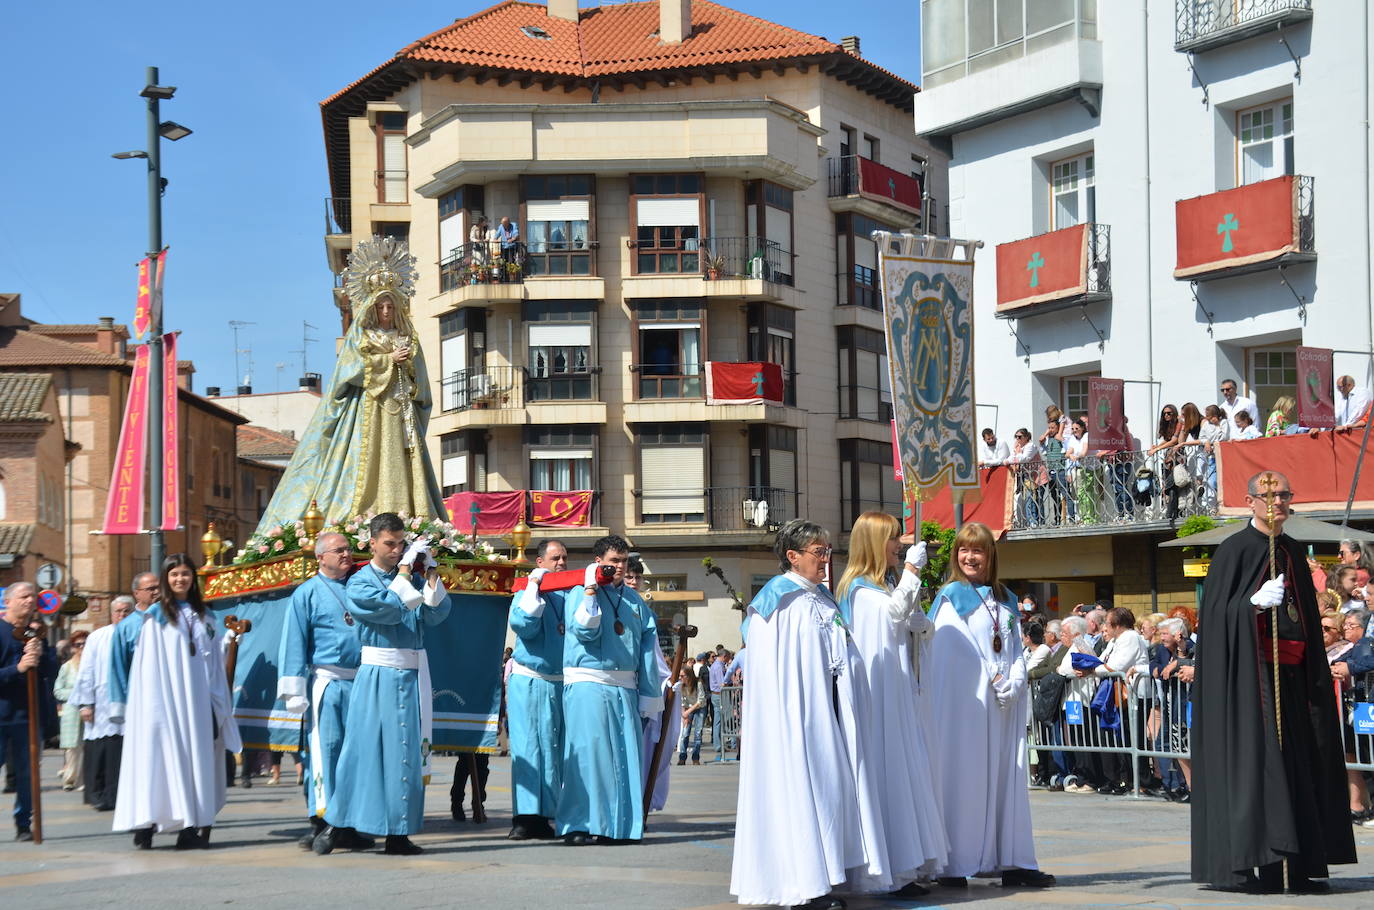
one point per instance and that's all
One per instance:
(669, 698)
(26, 635)
(240, 628)
(1269, 482)
(479, 811)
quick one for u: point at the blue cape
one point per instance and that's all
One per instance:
(847, 604)
(965, 598)
(768, 598)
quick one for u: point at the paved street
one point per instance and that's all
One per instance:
(1107, 852)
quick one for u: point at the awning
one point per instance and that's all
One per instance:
(1303, 530)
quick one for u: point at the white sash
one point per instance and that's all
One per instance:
(333, 671)
(411, 659)
(317, 689)
(395, 658)
(621, 679)
(519, 669)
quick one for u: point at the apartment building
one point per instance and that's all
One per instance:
(1200, 170)
(694, 189)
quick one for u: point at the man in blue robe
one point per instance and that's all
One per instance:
(534, 698)
(610, 681)
(316, 663)
(380, 786)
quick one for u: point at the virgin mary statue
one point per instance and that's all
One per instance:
(365, 447)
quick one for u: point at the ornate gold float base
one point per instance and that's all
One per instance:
(287, 571)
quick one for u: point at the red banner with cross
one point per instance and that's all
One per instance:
(497, 513)
(557, 509)
(878, 181)
(1041, 268)
(743, 383)
(1252, 223)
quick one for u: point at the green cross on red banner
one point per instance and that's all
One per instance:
(1036, 263)
(1227, 225)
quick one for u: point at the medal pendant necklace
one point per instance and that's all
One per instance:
(993, 615)
(615, 608)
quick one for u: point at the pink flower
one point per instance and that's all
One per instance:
(262, 548)
(279, 546)
(415, 523)
(275, 532)
(364, 543)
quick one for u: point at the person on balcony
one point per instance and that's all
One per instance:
(508, 237)
(479, 239)
(1352, 404)
(992, 452)
(1233, 404)
(1245, 427)
(1025, 455)
(1280, 420)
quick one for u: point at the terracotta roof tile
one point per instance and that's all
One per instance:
(260, 442)
(15, 538)
(22, 396)
(78, 328)
(24, 348)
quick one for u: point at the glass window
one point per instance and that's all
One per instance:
(1073, 186)
(867, 480)
(863, 375)
(1273, 373)
(559, 350)
(670, 337)
(667, 223)
(558, 224)
(1265, 135)
(1074, 395)
(672, 472)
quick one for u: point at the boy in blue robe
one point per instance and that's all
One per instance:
(317, 662)
(380, 788)
(534, 698)
(610, 681)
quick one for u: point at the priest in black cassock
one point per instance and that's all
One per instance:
(1255, 803)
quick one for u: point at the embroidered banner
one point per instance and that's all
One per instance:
(465, 671)
(896, 455)
(878, 181)
(155, 304)
(1316, 400)
(497, 513)
(124, 505)
(171, 450)
(927, 307)
(1107, 415)
(143, 304)
(1251, 223)
(1041, 268)
(563, 510)
(743, 383)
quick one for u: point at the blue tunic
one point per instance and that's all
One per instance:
(602, 732)
(534, 707)
(380, 785)
(315, 634)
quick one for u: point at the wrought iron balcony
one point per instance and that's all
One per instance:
(855, 175)
(483, 262)
(1068, 267)
(749, 508)
(478, 388)
(338, 215)
(746, 257)
(1201, 25)
(1255, 227)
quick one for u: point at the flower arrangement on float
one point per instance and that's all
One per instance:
(446, 541)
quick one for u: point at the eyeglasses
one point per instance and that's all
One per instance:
(1281, 496)
(1329, 628)
(1227, 390)
(339, 550)
(820, 552)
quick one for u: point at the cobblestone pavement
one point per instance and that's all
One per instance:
(1106, 851)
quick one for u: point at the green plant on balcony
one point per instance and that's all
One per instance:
(714, 265)
(1196, 524)
(512, 270)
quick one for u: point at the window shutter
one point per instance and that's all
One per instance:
(778, 226)
(782, 469)
(394, 164)
(551, 336)
(669, 212)
(455, 470)
(673, 479)
(558, 210)
(451, 234)
(560, 454)
(865, 252)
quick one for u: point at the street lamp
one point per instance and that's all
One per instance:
(157, 131)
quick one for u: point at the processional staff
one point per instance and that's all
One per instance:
(1269, 482)
(683, 632)
(27, 634)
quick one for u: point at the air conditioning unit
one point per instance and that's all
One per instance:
(747, 509)
(479, 385)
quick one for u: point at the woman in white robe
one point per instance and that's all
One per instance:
(796, 825)
(169, 687)
(976, 685)
(899, 817)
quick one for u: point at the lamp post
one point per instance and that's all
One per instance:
(157, 131)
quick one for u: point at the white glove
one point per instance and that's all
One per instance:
(535, 575)
(916, 555)
(1269, 595)
(418, 549)
(589, 577)
(297, 704)
(1002, 691)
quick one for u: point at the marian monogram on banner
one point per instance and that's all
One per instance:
(927, 302)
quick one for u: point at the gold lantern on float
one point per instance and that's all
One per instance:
(313, 519)
(520, 538)
(211, 545)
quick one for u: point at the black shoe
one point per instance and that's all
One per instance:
(953, 881)
(204, 834)
(104, 807)
(1184, 795)
(1121, 789)
(519, 832)
(190, 839)
(143, 838)
(1249, 884)
(350, 839)
(1027, 878)
(1106, 789)
(400, 845)
(307, 840)
(824, 902)
(1308, 886)
(23, 834)
(247, 781)
(1361, 816)
(577, 838)
(457, 812)
(909, 890)
(326, 841)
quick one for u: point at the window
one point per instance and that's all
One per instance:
(462, 348)
(558, 223)
(857, 256)
(670, 336)
(396, 230)
(1266, 142)
(1074, 395)
(866, 479)
(559, 345)
(453, 231)
(772, 339)
(672, 471)
(773, 470)
(960, 37)
(870, 147)
(849, 141)
(562, 458)
(391, 157)
(463, 462)
(667, 215)
(1073, 192)
(864, 393)
(1273, 373)
(768, 213)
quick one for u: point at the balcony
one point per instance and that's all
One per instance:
(745, 268)
(484, 389)
(481, 273)
(856, 184)
(1065, 268)
(1252, 228)
(683, 395)
(1118, 492)
(338, 215)
(479, 143)
(751, 510)
(1201, 25)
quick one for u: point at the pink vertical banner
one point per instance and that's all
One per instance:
(124, 507)
(171, 451)
(896, 455)
(1107, 414)
(1316, 402)
(155, 304)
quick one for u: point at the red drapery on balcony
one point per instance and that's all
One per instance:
(743, 383)
(1252, 223)
(878, 181)
(556, 509)
(994, 509)
(499, 512)
(1319, 470)
(1044, 267)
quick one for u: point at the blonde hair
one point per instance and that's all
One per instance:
(975, 535)
(1285, 404)
(868, 550)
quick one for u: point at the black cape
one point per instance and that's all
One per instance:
(1252, 804)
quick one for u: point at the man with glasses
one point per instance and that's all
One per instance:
(104, 737)
(1261, 801)
(1232, 402)
(317, 661)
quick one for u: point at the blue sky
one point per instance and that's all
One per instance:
(244, 211)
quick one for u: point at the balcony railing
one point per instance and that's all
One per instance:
(479, 388)
(483, 262)
(1200, 25)
(1118, 489)
(746, 257)
(338, 215)
(673, 380)
(1041, 282)
(1249, 228)
(854, 175)
(739, 509)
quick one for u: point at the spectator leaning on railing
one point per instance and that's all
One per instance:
(1073, 635)
(1349, 668)
(1171, 667)
(1050, 686)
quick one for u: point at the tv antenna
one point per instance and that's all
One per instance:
(237, 324)
(304, 351)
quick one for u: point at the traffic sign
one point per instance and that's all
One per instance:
(49, 601)
(49, 575)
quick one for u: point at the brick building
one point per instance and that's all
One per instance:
(34, 453)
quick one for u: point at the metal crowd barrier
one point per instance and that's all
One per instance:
(731, 699)
(1156, 725)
